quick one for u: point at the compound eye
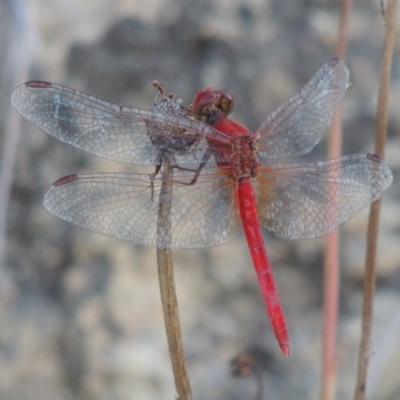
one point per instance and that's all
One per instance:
(202, 103)
(225, 102)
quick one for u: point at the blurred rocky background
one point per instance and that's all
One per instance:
(80, 314)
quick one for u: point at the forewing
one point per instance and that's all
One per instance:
(297, 125)
(305, 201)
(105, 129)
(123, 206)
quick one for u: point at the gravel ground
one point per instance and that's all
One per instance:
(80, 313)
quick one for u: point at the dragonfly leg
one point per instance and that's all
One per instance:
(153, 176)
(198, 170)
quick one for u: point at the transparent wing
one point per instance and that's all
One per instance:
(297, 125)
(108, 130)
(305, 201)
(123, 206)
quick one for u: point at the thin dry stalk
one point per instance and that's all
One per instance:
(332, 264)
(167, 288)
(373, 225)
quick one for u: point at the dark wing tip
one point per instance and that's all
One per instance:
(336, 61)
(66, 179)
(387, 175)
(339, 65)
(375, 158)
(38, 84)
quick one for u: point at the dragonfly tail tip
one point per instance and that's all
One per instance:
(285, 348)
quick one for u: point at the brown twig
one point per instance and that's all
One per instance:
(332, 264)
(167, 287)
(373, 225)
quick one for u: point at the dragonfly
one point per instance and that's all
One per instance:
(224, 175)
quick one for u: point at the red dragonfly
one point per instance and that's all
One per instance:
(223, 172)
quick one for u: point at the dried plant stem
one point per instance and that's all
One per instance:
(372, 235)
(167, 288)
(332, 264)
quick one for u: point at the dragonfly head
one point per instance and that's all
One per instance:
(211, 103)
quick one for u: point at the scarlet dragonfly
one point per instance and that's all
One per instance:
(223, 173)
